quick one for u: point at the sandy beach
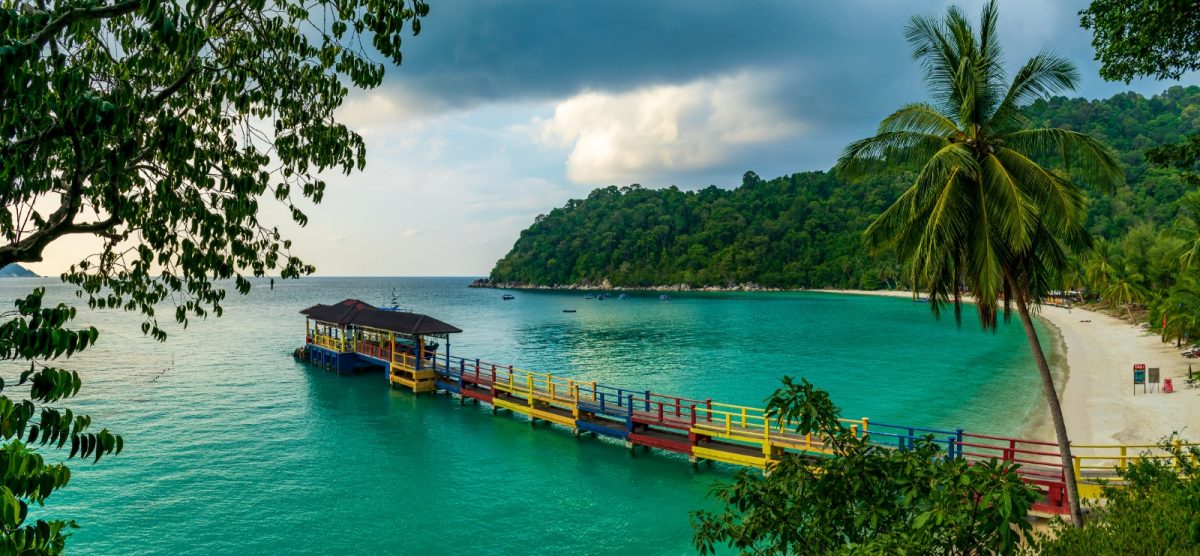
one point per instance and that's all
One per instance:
(1099, 400)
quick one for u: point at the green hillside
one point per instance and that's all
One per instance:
(803, 230)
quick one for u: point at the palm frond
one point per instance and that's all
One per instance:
(920, 118)
(1042, 76)
(865, 157)
(1062, 205)
(939, 59)
(1006, 206)
(1081, 156)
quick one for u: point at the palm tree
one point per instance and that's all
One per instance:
(1179, 311)
(983, 212)
(1101, 264)
(1187, 228)
(1125, 288)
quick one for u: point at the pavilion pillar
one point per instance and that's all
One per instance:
(419, 351)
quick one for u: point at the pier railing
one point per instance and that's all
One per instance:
(1039, 461)
(1095, 461)
(327, 342)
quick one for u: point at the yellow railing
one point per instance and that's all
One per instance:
(328, 342)
(1101, 461)
(542, 386)
(404, 360)
(754, 422)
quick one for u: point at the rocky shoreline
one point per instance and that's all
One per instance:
(605, 285)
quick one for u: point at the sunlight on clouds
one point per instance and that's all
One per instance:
(625, 136)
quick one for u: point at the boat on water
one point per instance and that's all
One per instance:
(601, 297)
(589, 296)
(664, 297)
(568, 310)
(622, 297)
(508, 296)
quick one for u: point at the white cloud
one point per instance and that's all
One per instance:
(665, 128)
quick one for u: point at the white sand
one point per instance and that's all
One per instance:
(1099, 400)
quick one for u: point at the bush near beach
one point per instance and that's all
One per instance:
(1156, 512)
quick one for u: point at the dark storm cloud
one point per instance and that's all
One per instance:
(837, 67)
(475, 52)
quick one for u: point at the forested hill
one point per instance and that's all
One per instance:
(15, 270)
(804, 230)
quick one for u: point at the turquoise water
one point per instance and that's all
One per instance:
(232, 447)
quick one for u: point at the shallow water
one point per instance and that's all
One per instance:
(232, 447)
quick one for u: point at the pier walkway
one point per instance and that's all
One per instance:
(353, 335)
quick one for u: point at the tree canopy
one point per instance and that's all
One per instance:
(159, 129)
(1157, 38)
(861, 498)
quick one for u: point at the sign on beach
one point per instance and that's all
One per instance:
(1139, 377)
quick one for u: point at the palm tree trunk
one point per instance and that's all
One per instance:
(1056, 414)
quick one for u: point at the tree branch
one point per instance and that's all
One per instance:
(71, 16)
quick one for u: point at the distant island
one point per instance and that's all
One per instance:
(803, 230)
(15, 270)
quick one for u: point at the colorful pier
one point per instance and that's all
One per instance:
(414, 350)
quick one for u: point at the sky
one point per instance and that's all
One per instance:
(503, 110)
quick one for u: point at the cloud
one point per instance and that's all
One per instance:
(666, 128)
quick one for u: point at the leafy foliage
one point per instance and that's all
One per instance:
(1156, 512)
(38, 332)
(794, 231)
(804, 230)
(861, 498)
(1157, 38)
(158, 129)
(981, 213)
(996, 207)
(1131, 125)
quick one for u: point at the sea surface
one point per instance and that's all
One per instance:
(232, 447)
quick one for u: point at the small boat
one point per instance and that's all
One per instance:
(568, 310)
(921, 300)
(508, 296)
(664, 297)
(622, 297)
(589, 296)
(601, 297)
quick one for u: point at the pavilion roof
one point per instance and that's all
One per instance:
(358, 313)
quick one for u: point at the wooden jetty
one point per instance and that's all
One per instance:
(414, 350)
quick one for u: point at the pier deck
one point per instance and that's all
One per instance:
(352, 335)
